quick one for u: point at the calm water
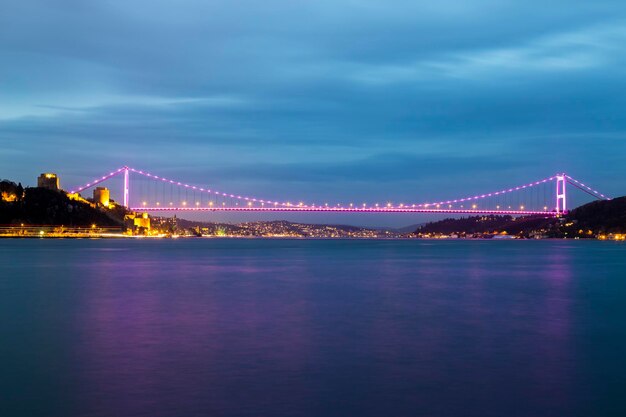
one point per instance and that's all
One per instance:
(202, 327)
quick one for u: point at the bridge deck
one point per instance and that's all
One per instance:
(349, 210)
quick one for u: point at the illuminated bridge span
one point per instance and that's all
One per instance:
(152, 193)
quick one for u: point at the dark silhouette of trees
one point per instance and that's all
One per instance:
(47, 207)
(598, 217)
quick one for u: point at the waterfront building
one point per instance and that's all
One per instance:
(48, 180)
(137, 223)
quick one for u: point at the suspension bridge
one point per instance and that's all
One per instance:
(153, 193)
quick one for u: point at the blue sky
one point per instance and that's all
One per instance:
(316, 100)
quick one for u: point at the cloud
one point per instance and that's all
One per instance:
(585, 49)
(325, 97)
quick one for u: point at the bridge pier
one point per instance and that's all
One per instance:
(561, 198)
(126, 185)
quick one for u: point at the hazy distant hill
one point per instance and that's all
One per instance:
(282, 227)
(408, 229)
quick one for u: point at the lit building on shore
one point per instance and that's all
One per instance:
(101, 196)
(137, 223)
(48, 180)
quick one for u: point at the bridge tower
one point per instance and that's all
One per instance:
(126, 186)
(561, 198)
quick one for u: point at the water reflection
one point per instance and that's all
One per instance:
(191, 333)
(313, 328)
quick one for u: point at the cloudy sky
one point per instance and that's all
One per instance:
(316, 100)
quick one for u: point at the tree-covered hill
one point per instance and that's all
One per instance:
(41, 206)
(489, 224)
(589, 220)
(601, 216)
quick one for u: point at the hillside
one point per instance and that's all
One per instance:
(489, 225)
(590, 220)
(601, 216)
(41, 206)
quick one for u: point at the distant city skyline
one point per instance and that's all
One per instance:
(327, 100)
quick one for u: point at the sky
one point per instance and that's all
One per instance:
(317, 100)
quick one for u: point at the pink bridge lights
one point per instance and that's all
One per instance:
(154, 193)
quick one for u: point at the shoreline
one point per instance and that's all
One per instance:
(97, 237)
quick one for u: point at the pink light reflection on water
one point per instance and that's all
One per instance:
(351, 323)
(154, 336)
(465, 307)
